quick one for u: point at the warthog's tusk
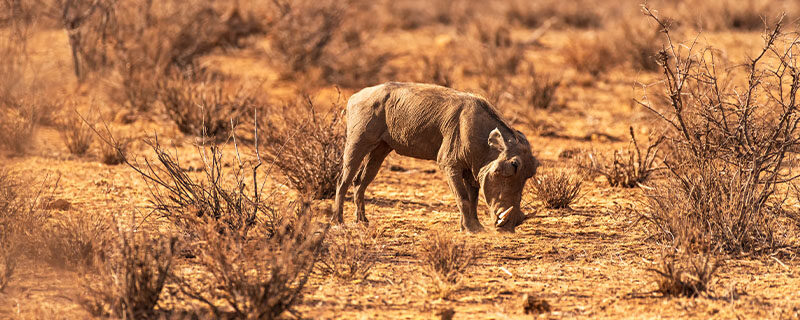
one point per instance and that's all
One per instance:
(501, 219)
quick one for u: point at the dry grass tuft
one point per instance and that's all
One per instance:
(76, 133)
(444, 260)
(254, 276)
(21, 217)
(350, 253)
(685, 274)
(557, 189)
(76, 241)
(592, 54)
(129, 280)
(306, 145)
(204, 109)
(627, 169)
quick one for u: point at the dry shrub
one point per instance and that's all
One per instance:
(223, 193)
(437, 68)
(628, 168)
(21, 216)
(557, 189)
(444, 260)
(748, 15)
(685, 274)
(446, 257)
(730, 147)
(306, 145)
(76, 132)
(350, 253)
(205, 109)
(20, 107)
(172, 35)
(76, 240)
(127, 284)
(577, 14)
(590, 53)
(114, 149)
(303, 30)
(538, 91)
(638, 44)
(254, 276)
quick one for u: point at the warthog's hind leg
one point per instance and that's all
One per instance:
(368, 173)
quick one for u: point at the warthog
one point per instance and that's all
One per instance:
(475, 149)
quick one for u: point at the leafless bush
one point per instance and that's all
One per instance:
(685, 274)
(638, 44)
(350, 253)
(577, 14)
(539, 90)
(173, 34)
(444, 257)
(557, 189)
(729, 146)
(76, 240)
(591, 53)
(306, 146)
(444, 260)
(254, 276)
(76, 133)
(437, 69)
(114, 149)
(626, 169)
(738, 15)
(129, 281)
(205, 109)
(221, 194)
(21, 216)
(303, 30)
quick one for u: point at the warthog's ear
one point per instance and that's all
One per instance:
(496, 140)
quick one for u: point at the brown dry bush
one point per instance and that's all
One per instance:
(76, 240)
(205, 109)
(577, 14)
(538, 91)
(627, 169)
(730, 147)
(302, 32)
(590, 53)
(221, 194)
(306, 145)
(638, 43)
(685, 274)
(21, 215)
(254, 276)
(748, 15)
(557, 189)
(128, 282)
(115, 146)
(438, 69)
(350, 253)
(444, 261)
(20, 108)
(444, 257)
(172, 35)
(76, 132)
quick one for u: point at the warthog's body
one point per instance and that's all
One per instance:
(475, 149)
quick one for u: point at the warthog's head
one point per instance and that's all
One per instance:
(502, 179)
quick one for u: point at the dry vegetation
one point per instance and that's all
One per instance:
(228, 120)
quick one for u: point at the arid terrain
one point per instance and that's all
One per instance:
(177, 160)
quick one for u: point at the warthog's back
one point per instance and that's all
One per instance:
(417, 117)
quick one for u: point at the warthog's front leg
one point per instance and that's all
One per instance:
(464, 199)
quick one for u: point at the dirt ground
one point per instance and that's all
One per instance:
(588, 261)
